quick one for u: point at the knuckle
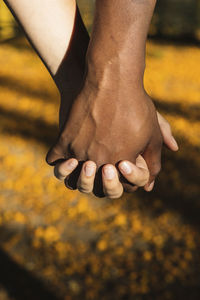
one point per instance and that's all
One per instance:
(114, 196)
(84, 188)
(114, 192)
(62, 139)
(58, 173)
(141, 179)
(112, 189)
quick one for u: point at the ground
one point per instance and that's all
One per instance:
(60, 244)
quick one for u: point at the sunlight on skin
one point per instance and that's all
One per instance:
(137, 174)
(57, 45)
(49, 38)
(149, 139)
(153, 232)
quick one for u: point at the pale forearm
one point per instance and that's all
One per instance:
(48, 25)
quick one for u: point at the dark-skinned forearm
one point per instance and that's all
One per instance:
(119, 37)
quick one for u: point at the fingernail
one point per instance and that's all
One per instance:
(174, 142)
(109, 172)
(125, 168)
(89, 170)
(72, 164)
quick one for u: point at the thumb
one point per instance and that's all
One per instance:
(166, 131)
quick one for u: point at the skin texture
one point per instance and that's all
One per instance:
(45, 22)
(113, 118)
(111, 187)
(67, 70)
(74, 64)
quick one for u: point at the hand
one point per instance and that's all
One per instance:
(108, 124)
(112, 187)
(70, 82)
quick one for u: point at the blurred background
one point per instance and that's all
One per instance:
(59, 244)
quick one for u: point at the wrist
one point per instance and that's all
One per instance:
(118, 40)
(119, 69)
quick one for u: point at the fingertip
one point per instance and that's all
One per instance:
(85, 182)
(109, 172)
(63, 169)
(71, 164)
(112, 187)
(149, 187)
(89, 168)
(125, 167)
(135, 174)
(174, 144)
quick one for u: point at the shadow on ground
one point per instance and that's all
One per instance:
(20, 283)
(177, 189)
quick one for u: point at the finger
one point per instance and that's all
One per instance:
(152, 156)
(63, 169)
(154, 166)
(112, 187)
(149, 187)
(166, 131)
(86, 179)
(72, 179)
(136, 174)
(58, 151)
(127, 185)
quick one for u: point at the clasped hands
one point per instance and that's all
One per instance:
(110, 133)
(111, 137)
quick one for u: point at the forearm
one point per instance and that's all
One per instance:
(48, 25)
(119, 36)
